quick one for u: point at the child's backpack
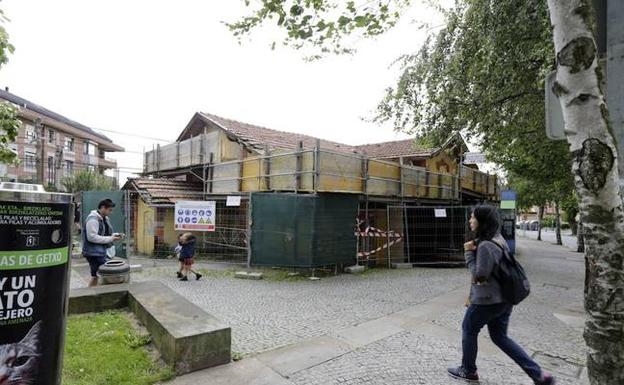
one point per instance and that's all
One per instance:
(512, 278)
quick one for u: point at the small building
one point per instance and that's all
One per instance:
(310, 202)
(50, 146)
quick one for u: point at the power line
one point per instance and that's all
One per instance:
(135, 135)
(75, 142)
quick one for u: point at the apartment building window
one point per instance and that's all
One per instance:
(69, 143)
(30, 161)
(90, 148)
(51, 136)
(30, 133)
(69, 167)
(51, 171)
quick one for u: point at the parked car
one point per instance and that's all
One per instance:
(534, 225)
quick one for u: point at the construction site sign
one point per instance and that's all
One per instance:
(195, 215)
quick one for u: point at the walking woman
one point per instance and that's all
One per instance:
(486, 304)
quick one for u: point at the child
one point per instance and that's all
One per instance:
(177, 250)
(186, 254)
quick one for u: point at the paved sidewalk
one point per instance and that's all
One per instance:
(549, 236)
(415, 344)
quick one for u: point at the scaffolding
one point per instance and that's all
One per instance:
(311, 171)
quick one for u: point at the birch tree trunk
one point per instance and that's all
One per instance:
(595, 170)
(580, 240)
(558, 224)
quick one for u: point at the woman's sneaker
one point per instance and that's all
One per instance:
(461, 374)
(178, 274)
(547, 379)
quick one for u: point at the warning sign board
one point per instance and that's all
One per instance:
(195, 215)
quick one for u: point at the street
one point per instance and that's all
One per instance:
(385, 327)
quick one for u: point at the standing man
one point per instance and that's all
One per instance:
(98, 237)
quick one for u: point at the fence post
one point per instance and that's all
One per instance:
(388, 237)
(401, 187)
(249, 230)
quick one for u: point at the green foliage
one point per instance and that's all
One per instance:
(9, 122)
(321, 25)
(86, 180)
(482, 74)
(105, 349)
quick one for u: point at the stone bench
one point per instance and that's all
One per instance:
(98, 299)
(186, 336)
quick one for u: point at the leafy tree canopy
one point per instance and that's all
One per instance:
(86, 180)
(482, 74)
(9, 123)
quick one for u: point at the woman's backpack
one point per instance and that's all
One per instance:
(512, 279)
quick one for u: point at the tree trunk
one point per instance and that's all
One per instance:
(540, 217)
(580, 241)
(596, 177)
(558, 224)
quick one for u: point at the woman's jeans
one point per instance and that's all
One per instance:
(496, 317)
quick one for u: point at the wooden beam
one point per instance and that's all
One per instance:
(298, 166)
(211, 172)
(267, 167)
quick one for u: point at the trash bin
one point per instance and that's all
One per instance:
(114, 271)
(35, 231)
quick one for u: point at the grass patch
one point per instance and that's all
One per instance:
(105, 348)
(217, 273)
(275, 275)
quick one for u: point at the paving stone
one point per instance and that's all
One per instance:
(248, 275)
(266, 315)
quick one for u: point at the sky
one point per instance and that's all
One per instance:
(143, 68)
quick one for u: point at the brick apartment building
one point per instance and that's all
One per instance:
(51, 146)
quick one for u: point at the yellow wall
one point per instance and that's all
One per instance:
(171, 236)
(230, 150)
(146, 217)
(442, 163)
(253, 168)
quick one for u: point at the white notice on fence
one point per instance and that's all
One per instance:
(233, 200)
(440, 213)
(195, 215)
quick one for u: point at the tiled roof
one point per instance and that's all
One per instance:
(50, 114)
(258, 137)
(159, 191)
(395, 149)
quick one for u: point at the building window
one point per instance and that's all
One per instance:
(51, 136)
(69, 167)
(90, 148)
(31, 135)
(30, 161)
(69, 144)
(51, 171)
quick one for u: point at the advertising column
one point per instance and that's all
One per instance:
(34, 253)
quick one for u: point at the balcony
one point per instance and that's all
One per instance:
(105, 162)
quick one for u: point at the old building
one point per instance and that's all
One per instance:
(308, 202)
(50, 146)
